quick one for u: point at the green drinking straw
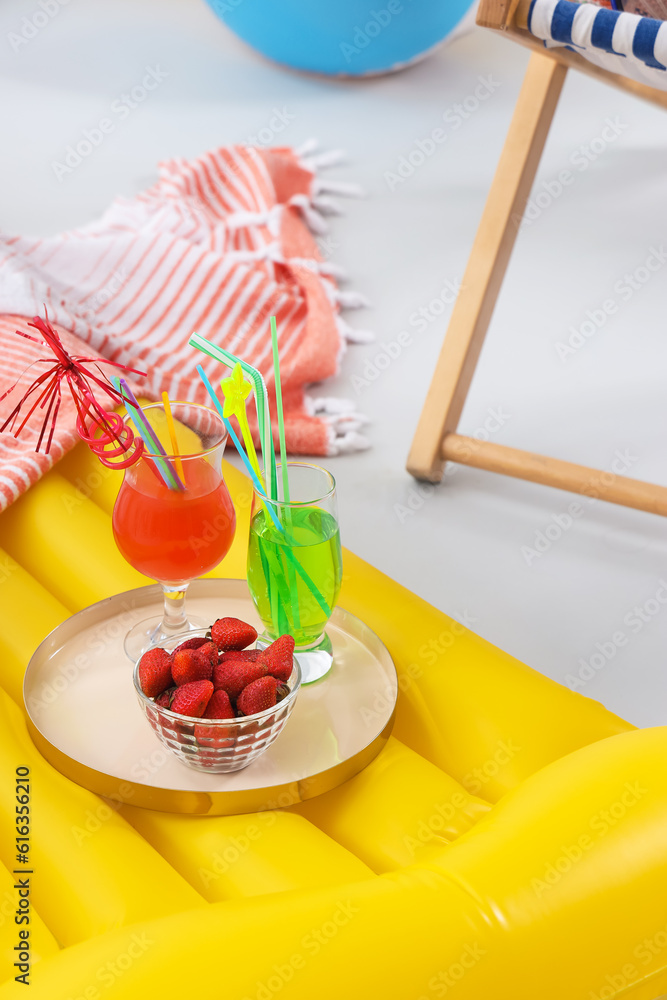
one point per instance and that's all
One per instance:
(157, 453)
(279, 407)
(283, 460)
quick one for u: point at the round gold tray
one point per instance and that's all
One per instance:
(84, 718)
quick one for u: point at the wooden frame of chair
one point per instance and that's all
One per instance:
(436, 440)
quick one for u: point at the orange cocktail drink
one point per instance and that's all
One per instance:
(174, 535)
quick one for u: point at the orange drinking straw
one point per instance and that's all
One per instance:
(172, 435)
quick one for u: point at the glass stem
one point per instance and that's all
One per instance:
(174, 607)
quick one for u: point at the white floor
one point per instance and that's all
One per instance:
(469, 546)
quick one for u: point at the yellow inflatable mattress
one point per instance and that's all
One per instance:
(508, 843)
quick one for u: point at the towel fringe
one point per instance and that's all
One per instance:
(332, 270)
(343, 423)
(346, 444)
(309, 157)
(306, 147)
(326, 205)
(320, 161)
(351, 300)
(328, 406)
(321, 186)
(351, 335)
(311, 215)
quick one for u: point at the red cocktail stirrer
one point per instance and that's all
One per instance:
(104, 432)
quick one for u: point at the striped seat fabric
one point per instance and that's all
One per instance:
(616, 41)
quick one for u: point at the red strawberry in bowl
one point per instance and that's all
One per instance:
(165, 699)
(219, 707)
(232, 633)
(258, 696)
(195, 643)
(155, 672)
(190, 665)
(278, 657)
(233, 675)
(192, 699)
(241, 654)
(210, 650)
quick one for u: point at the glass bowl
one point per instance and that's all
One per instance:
(217, 745)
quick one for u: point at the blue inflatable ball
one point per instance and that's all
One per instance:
(343, 37)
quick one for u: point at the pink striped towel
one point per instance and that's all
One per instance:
(218, 245)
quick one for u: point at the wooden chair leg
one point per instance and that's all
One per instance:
(596, 484)
(487, 264)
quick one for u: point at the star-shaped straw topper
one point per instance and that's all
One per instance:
(236, 390)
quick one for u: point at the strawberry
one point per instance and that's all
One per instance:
(210, 650)
(155, 672)
(192, 699)
(231, 633)
(278, 657)
(234, 675)
(190, 665)
(219, 707)
(194, 643)
(215, 737)
(258, 696)
(244, 655)
(165, 699)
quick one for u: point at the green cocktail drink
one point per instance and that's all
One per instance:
(283, 596)
(295, 563)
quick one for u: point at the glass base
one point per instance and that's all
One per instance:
(315, 661)
(151, 632)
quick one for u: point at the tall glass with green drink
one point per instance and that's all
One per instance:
(295, 563)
